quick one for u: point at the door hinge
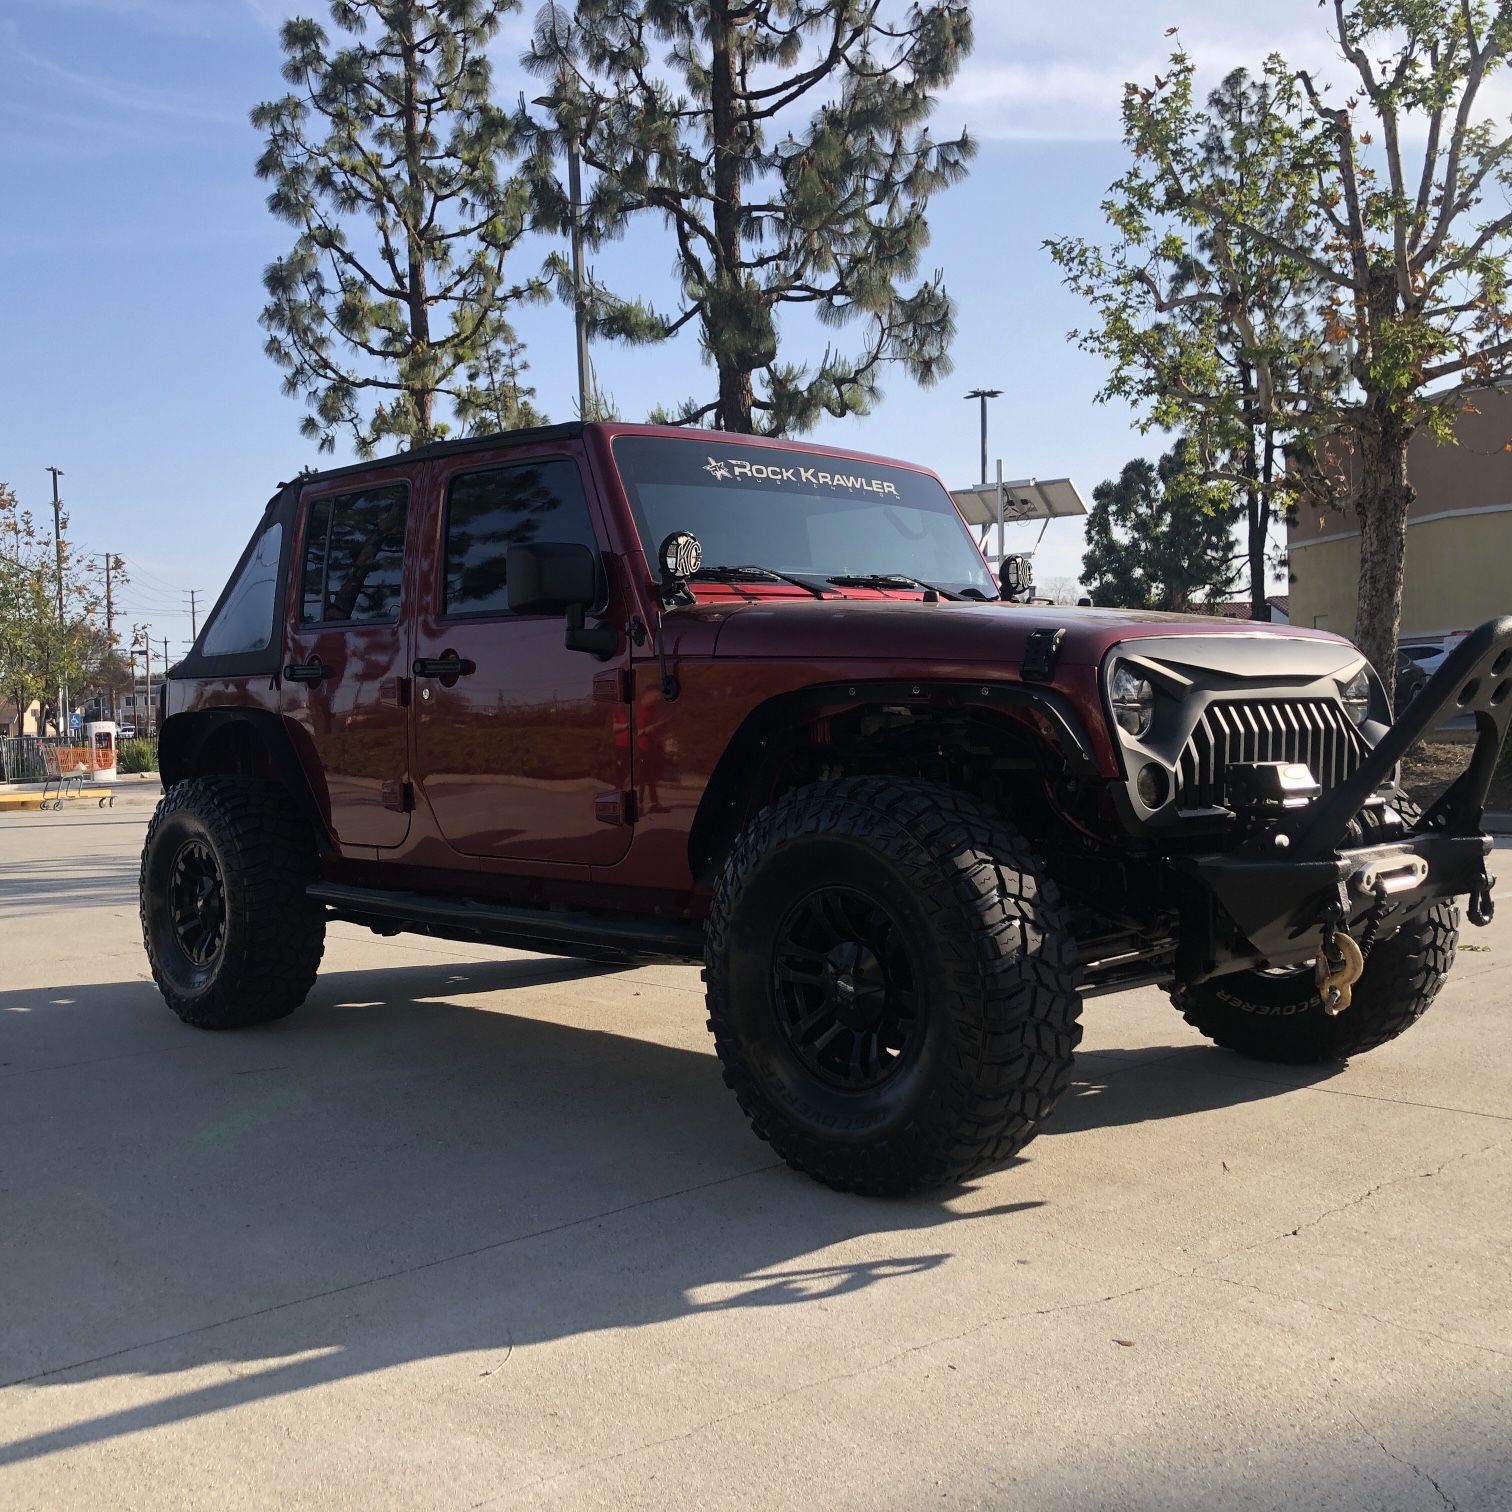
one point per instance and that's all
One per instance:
(614, 686)
(399, 797)
(614, 808)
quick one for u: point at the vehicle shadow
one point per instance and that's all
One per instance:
(402, 1172)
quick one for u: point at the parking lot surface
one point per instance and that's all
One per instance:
(481, 1229)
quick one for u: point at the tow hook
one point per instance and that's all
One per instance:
(1339, 967)
(1482, 907)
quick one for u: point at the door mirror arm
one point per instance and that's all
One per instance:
(602, 641)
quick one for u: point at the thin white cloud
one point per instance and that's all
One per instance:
(139, 99)
(198, 18)
(1033, 77)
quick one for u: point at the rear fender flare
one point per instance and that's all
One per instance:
(186, 737)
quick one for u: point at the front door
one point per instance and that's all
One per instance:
(523, 751)
(347, 659)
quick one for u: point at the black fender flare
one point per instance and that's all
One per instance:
(1061, 726)
(185, 734)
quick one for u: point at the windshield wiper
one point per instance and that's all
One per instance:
(889, 580)
(749, 570)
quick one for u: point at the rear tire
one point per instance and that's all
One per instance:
(890, 984)
(230, 934)
(1279, 1017)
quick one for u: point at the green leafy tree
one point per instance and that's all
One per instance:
(1392, 197)
(39, 651)
(1186, 326)
(785, 144)
(387, 157)
(1160, 536)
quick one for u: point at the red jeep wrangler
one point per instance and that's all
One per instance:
(635, 693)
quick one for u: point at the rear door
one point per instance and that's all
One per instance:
(347, 658)
(523, 752)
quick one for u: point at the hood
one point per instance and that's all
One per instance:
(991, 633)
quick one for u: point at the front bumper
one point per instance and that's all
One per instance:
(1268, 900)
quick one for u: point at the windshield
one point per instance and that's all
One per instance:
(799, 512)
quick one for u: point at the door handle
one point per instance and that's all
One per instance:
(312, 671)
(443, 666)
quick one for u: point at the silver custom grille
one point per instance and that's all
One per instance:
(1314, 730)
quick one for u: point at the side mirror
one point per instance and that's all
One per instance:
(549, 577)
(553, 577)
(1016, 576)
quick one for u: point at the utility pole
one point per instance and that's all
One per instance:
(193, 614)
(984, 395)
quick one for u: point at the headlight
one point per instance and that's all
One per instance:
(1133, 701)
(1356, 695)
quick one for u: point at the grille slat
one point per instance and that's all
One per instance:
(1311, 730)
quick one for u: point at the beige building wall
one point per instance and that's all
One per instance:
(1459, 536)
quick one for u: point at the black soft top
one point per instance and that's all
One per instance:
(282, 509)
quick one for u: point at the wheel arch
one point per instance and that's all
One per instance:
(238, 743)
(792, 733)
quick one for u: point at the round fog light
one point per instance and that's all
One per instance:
(1153, 785)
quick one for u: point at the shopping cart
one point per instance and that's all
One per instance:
(65, 770)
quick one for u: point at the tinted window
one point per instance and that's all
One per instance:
(801, 512)
(488, 512)
(245, 621)
(354, 556)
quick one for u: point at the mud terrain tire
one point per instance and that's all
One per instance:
(230, 935)
(1279, 1018)
(959, 949)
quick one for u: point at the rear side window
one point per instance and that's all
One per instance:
(354, 557)
(244, 622)
(488, 512)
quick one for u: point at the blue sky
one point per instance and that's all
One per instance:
(133, 235)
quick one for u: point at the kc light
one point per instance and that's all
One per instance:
(1133, 701)
(1357, 696)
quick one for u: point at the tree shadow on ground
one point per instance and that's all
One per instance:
(394, 1176)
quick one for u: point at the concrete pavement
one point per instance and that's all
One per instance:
(479, 1229)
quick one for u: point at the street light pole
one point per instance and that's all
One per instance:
(984, 394)
(57, 472)
(580, 310)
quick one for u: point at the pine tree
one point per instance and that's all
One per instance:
(386, 157)
(1160, 537)
(785, 145)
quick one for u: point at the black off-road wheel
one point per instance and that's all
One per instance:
(1276, 1015)
(890, 984)
(230, 935)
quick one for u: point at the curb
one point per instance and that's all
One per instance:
(18, 803)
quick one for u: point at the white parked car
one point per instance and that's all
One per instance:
(1430, 652)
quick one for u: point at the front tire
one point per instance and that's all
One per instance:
(1278, 1017)
(231, 937)
(890, 984)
